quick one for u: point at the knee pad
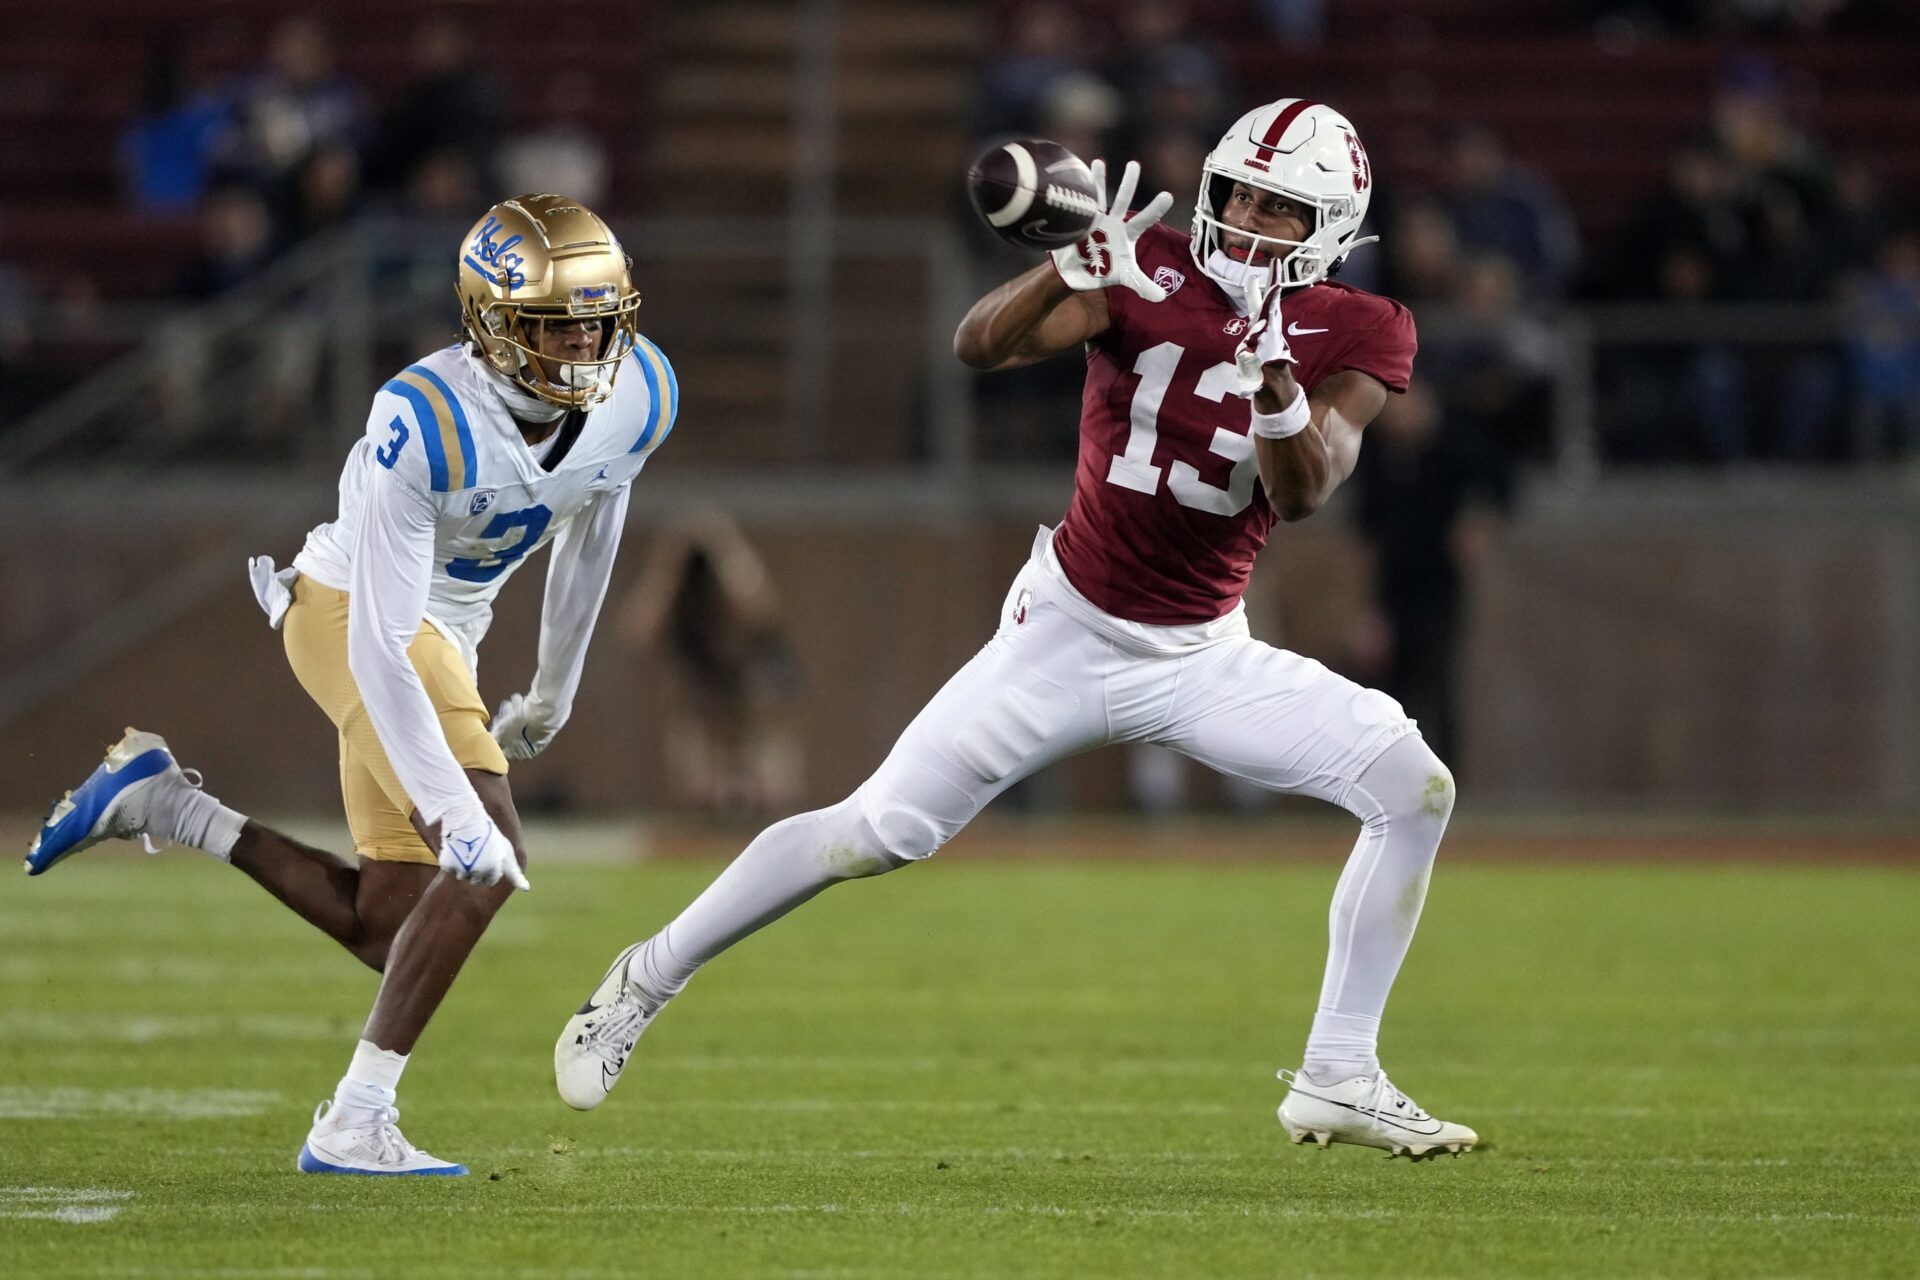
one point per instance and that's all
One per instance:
(1409, 780)
(903, 833)
(850, 846)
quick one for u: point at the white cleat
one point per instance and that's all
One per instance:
(367, 1143)
(137, 788)
(1367, 1111)
(594, 1047)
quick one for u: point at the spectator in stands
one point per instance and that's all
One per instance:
(1081, 112)
(1767, 151)
(1695, 215)
(1884, 351)
(1859, 221)
(325, 193)
(236, 243)
(1047, 41)
(706, 607)
(1495, 361)
(453, 103)
(1500, 207)
(178, 129)
(295, 104)
(563, 153)
(1167, 76)
(1422, 253)
(1431, 498)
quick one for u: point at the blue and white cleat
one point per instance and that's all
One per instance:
(368, 1144)
(117, 802)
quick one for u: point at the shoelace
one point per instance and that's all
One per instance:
(385, 1143)
(610, 1039)
(1386, 1097)
(195, 779)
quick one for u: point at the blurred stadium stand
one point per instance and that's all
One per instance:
(1694, 580)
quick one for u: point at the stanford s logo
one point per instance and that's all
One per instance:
(1234, 327)
(1020, 606)
(1362, 171)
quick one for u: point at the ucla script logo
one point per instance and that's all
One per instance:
(496, 259)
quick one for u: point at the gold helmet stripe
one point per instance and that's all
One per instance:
(449, 441)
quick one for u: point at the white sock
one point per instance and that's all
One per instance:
(1404, 799)
(786, 864)
(202, 822)
(372, 1080)
(1342, 1046)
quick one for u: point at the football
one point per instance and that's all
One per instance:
(1034, 193)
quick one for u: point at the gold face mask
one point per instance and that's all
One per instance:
(547, 258)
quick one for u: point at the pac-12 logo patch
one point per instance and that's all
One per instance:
(482, 499)
(1020, 606)
(1167, 278)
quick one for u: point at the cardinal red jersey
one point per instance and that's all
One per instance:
(1168, 510)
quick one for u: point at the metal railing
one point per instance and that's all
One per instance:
(362, 297)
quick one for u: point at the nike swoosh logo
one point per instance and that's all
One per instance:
(1295, 331)
(1392, 1120)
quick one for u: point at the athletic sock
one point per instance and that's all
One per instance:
(1403, 800)
(372, 1081)
(1341, 1046)
(204, 823)
(786, 864)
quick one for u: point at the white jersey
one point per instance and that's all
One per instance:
(442, 430)
(439, 503)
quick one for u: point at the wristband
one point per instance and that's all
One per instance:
(1290, 421)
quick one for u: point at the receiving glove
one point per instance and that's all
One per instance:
(478, 852)
(1104, 257)
(1264, 343)
(523, 728)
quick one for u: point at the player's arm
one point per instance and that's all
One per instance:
(577, 577)
(1032, 317)
(1301, 471)
(1062, 303)
(386, 603)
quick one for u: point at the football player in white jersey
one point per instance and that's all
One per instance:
(529, 430)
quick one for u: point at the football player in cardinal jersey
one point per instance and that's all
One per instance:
(1228, 382)
(531, 430)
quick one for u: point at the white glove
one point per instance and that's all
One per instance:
(1104, 258)
(523, 728)
(479, 853)
(1264, 343)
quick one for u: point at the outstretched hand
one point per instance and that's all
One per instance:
(1104, 257)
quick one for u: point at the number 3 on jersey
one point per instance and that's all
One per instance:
(1134, 469)
(531, 520)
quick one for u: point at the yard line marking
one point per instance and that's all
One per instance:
(74, 1205)
(107, 1028)
(74, 1103)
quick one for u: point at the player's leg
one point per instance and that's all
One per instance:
(141, 791)
(357, 1131)
(1027, 699)
(1287, 723)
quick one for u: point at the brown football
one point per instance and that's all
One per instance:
(1034, 193)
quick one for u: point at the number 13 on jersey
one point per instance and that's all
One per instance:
(1135, 468)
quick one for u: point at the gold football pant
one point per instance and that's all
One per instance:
(377, 805)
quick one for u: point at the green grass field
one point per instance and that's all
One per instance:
(984, 1069)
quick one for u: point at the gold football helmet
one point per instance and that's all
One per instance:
(540, 258)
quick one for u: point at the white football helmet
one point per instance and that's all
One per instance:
(1306, 152)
